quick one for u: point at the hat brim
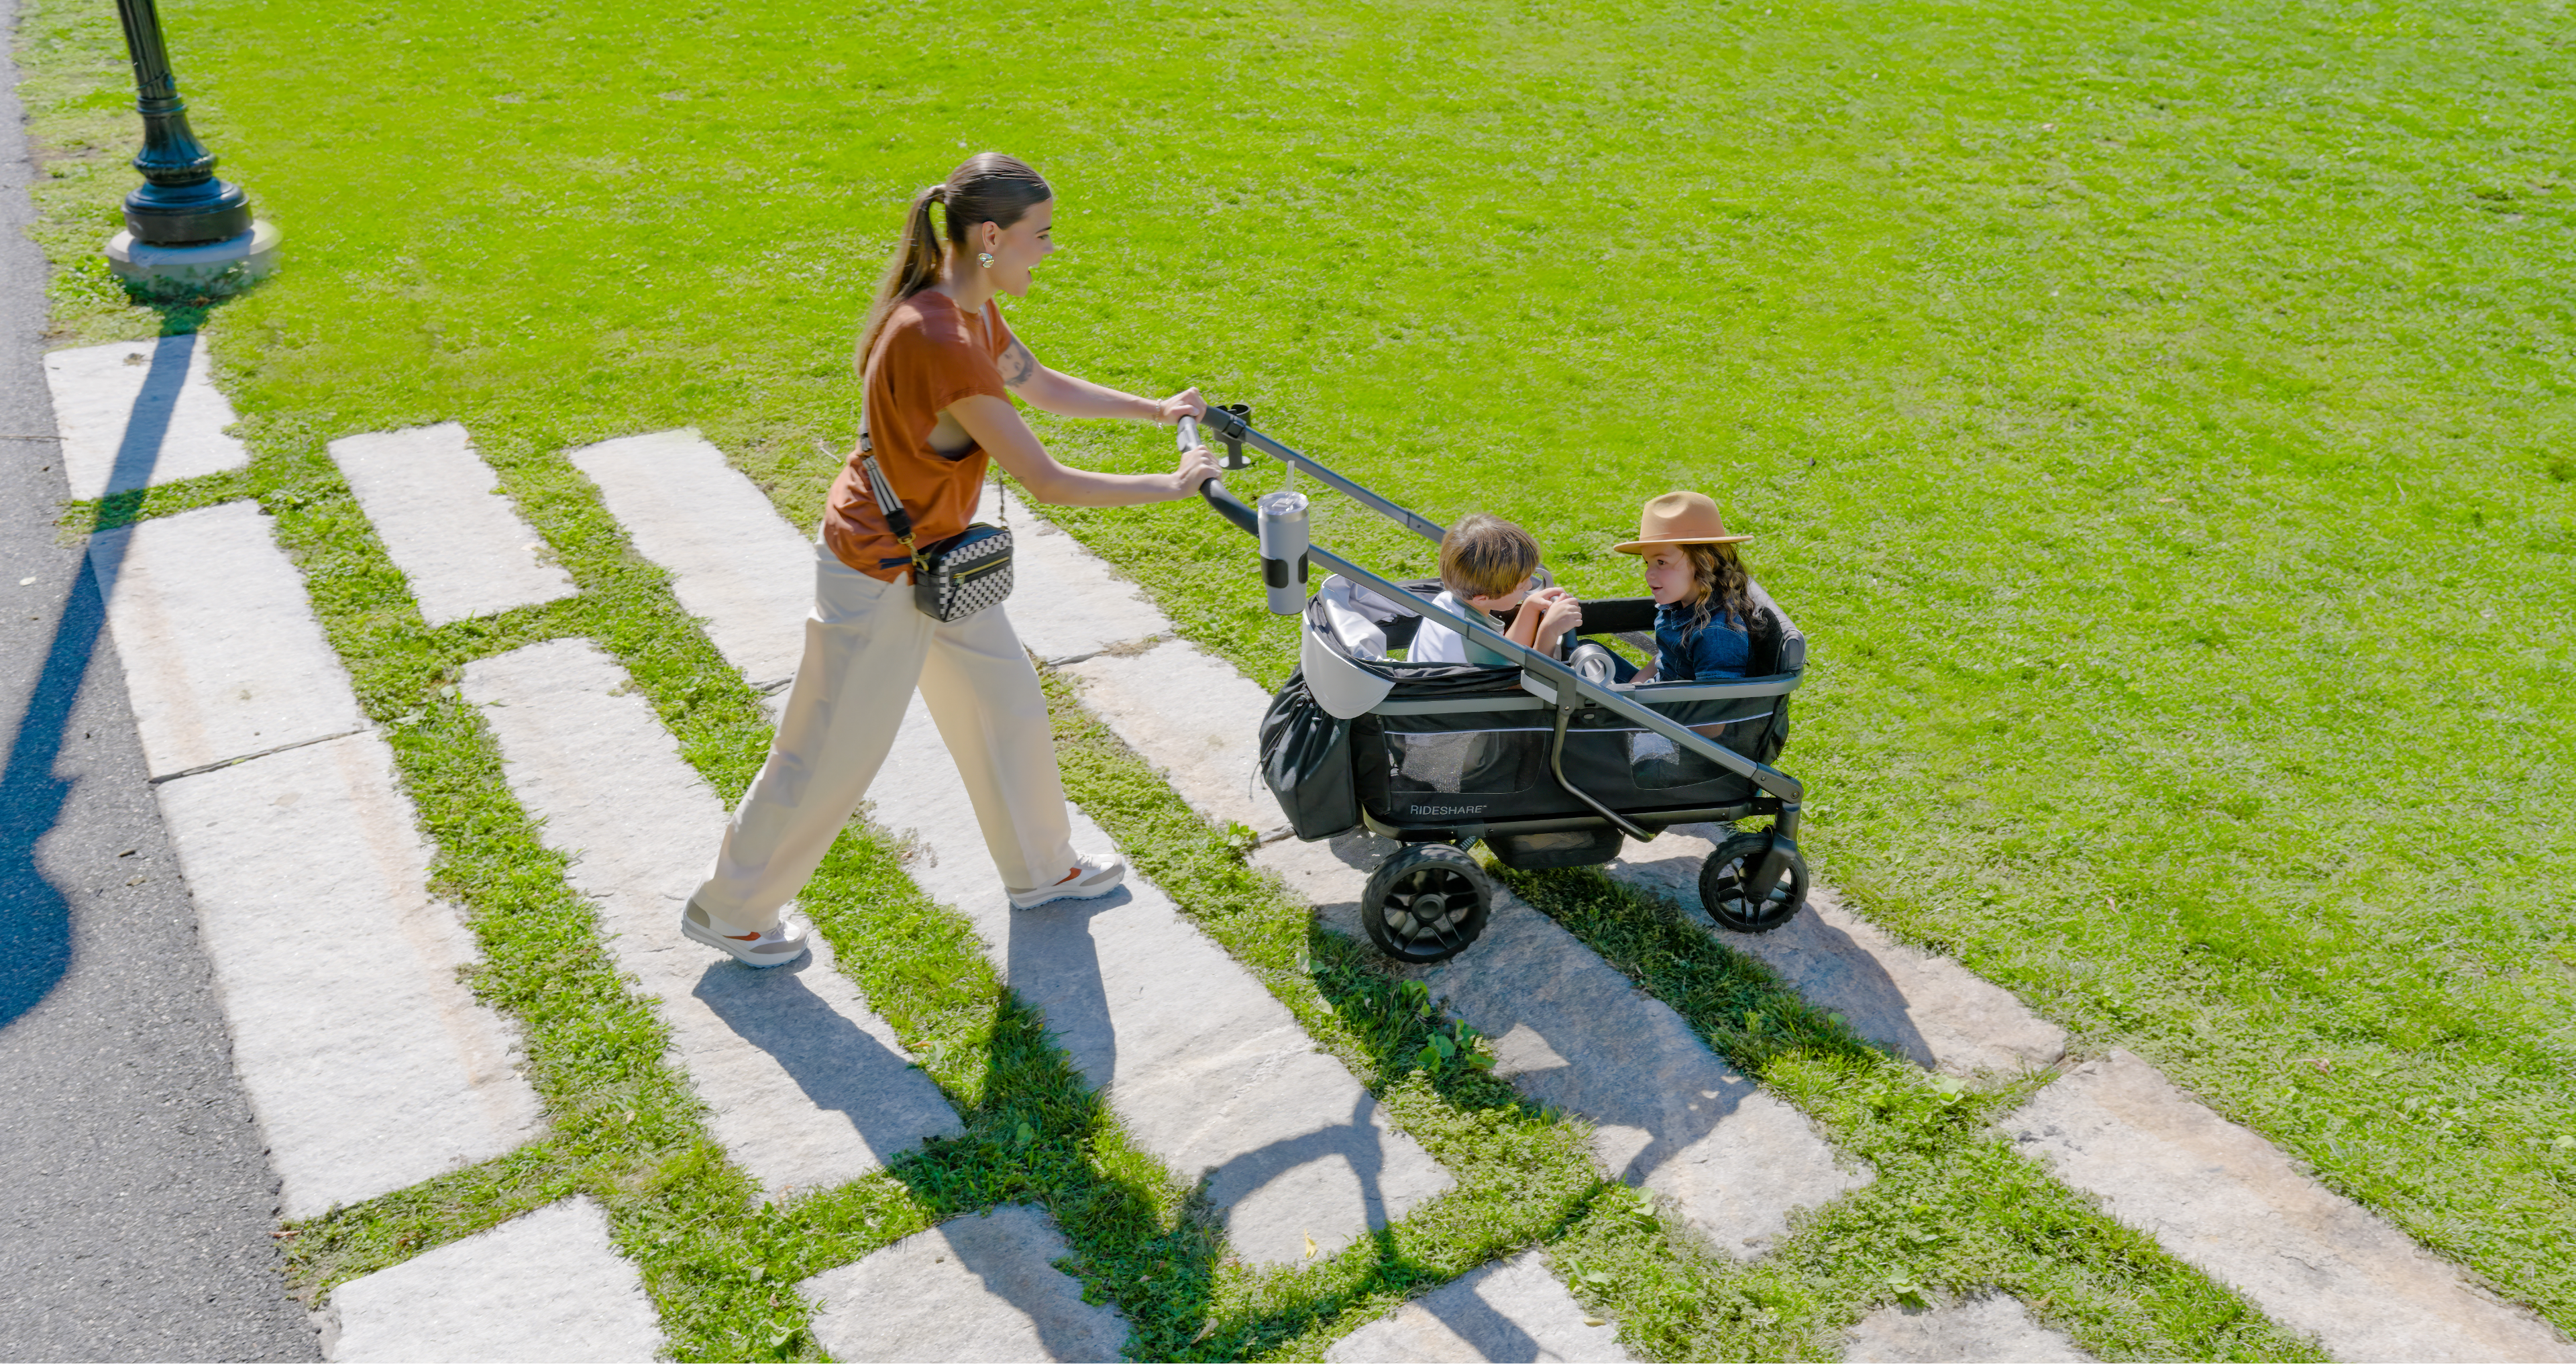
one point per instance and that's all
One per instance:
(1641, 546)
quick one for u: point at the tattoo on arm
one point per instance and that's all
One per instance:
(1017, 364)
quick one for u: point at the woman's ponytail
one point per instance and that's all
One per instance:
(915, 267)
(987, 188)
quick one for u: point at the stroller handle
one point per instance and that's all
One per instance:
(1231, 426)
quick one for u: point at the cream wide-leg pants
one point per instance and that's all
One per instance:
(866, 648)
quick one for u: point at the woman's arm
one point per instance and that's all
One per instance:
(1066, 396)
(996, 425)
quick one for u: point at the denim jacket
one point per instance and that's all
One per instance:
(1718, 649)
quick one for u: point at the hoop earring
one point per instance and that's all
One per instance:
(985, 259)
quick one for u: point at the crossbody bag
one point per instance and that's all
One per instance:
(952, 578)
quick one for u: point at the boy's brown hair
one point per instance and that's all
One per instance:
(1486, 556)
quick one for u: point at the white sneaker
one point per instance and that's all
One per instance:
(1093, 875)
(780, 945)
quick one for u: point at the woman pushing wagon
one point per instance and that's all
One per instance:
(937, 365)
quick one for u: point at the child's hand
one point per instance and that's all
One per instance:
(1564, 612)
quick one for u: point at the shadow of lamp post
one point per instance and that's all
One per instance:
(185, 230)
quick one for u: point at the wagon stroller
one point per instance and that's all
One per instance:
(1549, 763)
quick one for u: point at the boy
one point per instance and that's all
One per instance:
(1485, 567)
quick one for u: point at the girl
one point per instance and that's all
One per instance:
(1704, 610)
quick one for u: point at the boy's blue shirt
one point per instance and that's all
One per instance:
(1718, 649)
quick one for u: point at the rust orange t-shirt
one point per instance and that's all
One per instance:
(930, 354)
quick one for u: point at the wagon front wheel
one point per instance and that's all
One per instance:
(1738, 906)
(1426, 903)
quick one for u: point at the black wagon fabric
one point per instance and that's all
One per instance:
(1488, 765)
(1306, 759)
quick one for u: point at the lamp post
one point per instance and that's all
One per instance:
(183, 226)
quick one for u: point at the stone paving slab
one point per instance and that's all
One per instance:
(548, 1286)
(369, 1063)
(135, 414)
(1929, 1009)
(439, 509)
(1066, 602)
(1570, 1031)
(734, 562)
(223, 657)
(806, 1086)
(1207, 1071)
(970, 1291)
(2219, 1196)
(1197, 720)
(1513, 1312)
(1991, 1326)
(1189, 713)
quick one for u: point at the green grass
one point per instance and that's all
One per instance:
(2157, 415)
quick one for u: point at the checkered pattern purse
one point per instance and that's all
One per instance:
(952, 578)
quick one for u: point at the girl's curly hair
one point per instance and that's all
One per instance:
(1720, 588)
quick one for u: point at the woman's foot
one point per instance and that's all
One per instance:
(777, 945)
(1093, 874)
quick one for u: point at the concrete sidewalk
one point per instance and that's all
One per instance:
(137, 1206)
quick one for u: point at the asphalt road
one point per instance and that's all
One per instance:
(136, 1203)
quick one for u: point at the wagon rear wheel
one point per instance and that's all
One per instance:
(1426, 903)
(1739, 908)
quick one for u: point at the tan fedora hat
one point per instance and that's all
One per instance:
(1679, 519)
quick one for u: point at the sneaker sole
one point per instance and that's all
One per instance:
(731, 949)
(1077, 893)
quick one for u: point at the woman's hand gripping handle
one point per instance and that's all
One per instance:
(1198, 467)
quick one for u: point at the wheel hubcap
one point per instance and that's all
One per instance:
(1421, 906)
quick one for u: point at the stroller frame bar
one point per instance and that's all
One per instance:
(1541, 675)
(1232, 427)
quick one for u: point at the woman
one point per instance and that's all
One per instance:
(937, 366)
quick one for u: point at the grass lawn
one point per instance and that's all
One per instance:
(2159, 416)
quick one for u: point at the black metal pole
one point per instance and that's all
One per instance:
(180, 203)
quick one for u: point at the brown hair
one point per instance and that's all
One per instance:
(987, 187)
(1720, 588)
(1486, 556)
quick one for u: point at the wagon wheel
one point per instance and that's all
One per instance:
(1426, 903)
(1722, 888)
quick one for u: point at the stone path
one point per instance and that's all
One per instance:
(223, 657)
(1569, 1030)
(1208, 1071)
(547, 1286)
(733, 563)
(2221, 1197)
(301, 850)
(805, 1086)
(1512, 1312)
(439, 510)
(135, 414)
(1205, 1068)
(1929, 1009)
(976, 1289)
(368, 1062)
(1992, 1326)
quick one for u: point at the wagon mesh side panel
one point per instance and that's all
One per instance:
(1490, 765)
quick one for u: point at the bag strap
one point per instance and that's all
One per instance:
(882, 489)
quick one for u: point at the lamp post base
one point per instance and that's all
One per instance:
(223, 267)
